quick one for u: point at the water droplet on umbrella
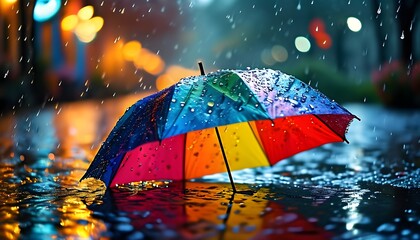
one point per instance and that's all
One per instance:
(210, 104)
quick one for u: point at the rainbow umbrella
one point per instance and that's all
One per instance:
(225, 120)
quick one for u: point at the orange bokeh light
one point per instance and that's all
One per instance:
(172, 75)
(150, 62)
(131, 50)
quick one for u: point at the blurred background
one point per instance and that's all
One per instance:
(353, 51)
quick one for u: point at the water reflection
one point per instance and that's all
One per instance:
(202, 211)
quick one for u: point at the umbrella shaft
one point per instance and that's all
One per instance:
(226, 161)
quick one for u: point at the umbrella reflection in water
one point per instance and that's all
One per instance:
(194, 210)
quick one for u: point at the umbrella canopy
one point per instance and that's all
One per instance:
(252, 118)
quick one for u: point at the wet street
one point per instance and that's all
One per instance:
(367, 189)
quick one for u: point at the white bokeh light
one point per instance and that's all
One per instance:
(302, 44)
(354, 24)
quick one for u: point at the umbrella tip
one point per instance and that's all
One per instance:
(200, 65)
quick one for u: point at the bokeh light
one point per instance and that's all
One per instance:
(302, 44)
(131, 49)
(172, 75)
(323, 40)
(149, 61)
(97, 22)
(85, 31)
(316, 26)
(279, 53)
(354, 24)
(85, 13)
(267, 58)
(44, 10)
(84, 26)
(69, 23)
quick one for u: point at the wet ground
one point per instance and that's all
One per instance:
(368, 189)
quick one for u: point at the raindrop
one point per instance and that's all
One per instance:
(402, 35)
(379, 9)
(228, 55)
(299, 7)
